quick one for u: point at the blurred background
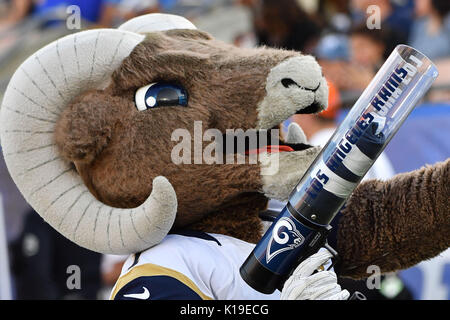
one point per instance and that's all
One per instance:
(350, 39)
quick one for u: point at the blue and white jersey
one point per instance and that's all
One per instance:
(188, 265)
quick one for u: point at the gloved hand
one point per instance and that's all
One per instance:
(304, 285)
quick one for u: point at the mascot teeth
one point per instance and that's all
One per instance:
(295, 134)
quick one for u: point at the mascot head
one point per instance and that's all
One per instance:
(88, 123)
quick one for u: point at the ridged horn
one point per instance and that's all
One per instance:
(36, 95)
(156, 22)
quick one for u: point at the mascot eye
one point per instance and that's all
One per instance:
(160, 94)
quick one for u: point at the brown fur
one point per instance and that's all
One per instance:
(396, 224)
(118, 150)
(239, 219)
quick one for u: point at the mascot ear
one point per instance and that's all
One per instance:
(37, 94)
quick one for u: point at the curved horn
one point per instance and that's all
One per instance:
(156, 22)
(37, 93)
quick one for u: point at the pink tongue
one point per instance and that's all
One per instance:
(270, 149)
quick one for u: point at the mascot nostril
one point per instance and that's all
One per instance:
(287, 83)
(142, 187)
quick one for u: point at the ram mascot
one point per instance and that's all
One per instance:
(88, 129)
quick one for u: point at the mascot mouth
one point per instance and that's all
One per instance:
(279, 145)
(270, 140)
(295, 139)
(313, 108)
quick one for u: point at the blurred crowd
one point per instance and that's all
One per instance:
(350, 38)
(104, 13)
(346, 38)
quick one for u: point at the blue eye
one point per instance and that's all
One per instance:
(160, 94)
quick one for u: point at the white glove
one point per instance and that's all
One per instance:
(304, 285)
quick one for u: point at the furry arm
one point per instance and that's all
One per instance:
(397, 223)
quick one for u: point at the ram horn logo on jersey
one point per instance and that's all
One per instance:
(285, 237)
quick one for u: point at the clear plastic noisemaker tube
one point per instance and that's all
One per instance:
(303, 225)
(358, 141)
